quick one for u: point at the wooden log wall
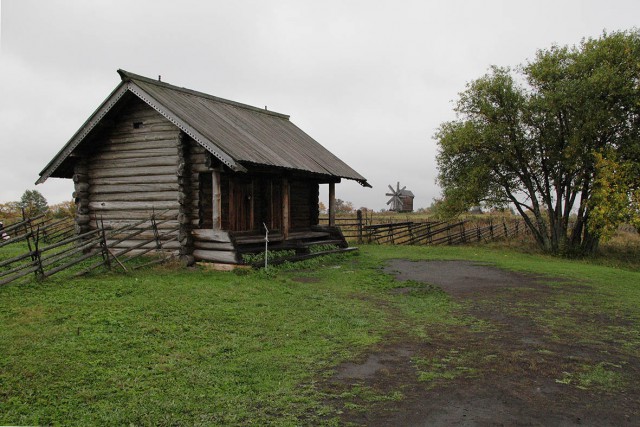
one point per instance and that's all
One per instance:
(185, 194)
(137, 168)
(210, 244)
(303, 199)
(81, 195)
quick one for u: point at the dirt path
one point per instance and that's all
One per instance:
(513, 370)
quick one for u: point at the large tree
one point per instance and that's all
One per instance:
(558, 138)
(33, 203)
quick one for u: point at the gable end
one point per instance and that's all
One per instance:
(84, 130)
(197, 136)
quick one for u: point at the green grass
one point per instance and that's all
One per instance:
(168, 347)
(165, 347)
(452, 364)
(603, 376)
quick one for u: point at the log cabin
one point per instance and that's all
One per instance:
(221, 171)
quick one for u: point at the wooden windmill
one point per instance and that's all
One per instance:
(396, 198)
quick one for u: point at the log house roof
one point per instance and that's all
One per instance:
(238, 135)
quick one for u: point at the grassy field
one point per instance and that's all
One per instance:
(166, 347)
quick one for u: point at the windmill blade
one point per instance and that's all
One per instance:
(389, 202)
(390, 194)
(402, 189)
(391, 188)
(398, 187)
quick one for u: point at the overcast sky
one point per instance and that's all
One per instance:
(369, 80)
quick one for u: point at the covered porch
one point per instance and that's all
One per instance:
(236, 210)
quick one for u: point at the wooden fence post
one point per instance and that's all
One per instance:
(103, 244)
(359, 216)
(156, 234)
(36, 256)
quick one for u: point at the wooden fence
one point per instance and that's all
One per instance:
(45, 258)
(49, 230)
(362, 229)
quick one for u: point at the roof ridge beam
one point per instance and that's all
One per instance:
(132, 77)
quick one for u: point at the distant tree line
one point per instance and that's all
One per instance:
(31, 204)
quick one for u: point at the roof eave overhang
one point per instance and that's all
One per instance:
(84, 130)
(327, 177)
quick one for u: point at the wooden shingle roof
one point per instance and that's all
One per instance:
(239, 135)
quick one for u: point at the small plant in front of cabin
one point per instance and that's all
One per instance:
(258, 258)
(322, 248)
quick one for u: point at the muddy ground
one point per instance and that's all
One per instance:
(514, 368)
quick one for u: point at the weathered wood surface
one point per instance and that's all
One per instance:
(257, 238)
(332, 204)
(286, 222)
(301, 203)
(139, 196)
(132, 188)
(126, 206)
(81, 197)
(211, 236)
(146, 234)
(216, 200)
(138, 252)
(112, 225)
(113, 172)
(126, 215)
(308, 234)
(133, 172)
(145, 134)
(148, 245)
(214, 246)
(123, 180)
(136, 162)
(135, 154)
(215, 256)
(184, 199)
(141, 145)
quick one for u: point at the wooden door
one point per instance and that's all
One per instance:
(240, 205)
(273, 196)
(205, 201)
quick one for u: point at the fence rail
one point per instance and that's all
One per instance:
(49, 253)
(49, 230)
(380, 230)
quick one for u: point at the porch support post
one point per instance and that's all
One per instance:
(215, 176)
(285, 208)
(332, 204)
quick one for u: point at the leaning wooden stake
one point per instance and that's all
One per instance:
(103, 245)
(266, 245)
(117, 260)
(38, 258)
